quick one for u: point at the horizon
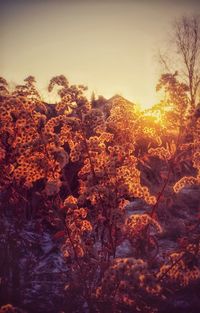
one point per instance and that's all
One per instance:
(111, 47)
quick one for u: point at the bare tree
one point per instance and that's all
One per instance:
(186, 37)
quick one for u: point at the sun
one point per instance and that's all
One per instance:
(49, 97)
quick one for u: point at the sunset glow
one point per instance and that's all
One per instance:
(99, 156)
(110, 46)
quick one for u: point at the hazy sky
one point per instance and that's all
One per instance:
(110, 46)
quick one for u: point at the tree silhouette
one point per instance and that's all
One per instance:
(186, 37)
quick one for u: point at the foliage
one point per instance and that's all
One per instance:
(78, 167)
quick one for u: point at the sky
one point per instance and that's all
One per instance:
(110, 46)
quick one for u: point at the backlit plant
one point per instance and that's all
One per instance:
(85, 166)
